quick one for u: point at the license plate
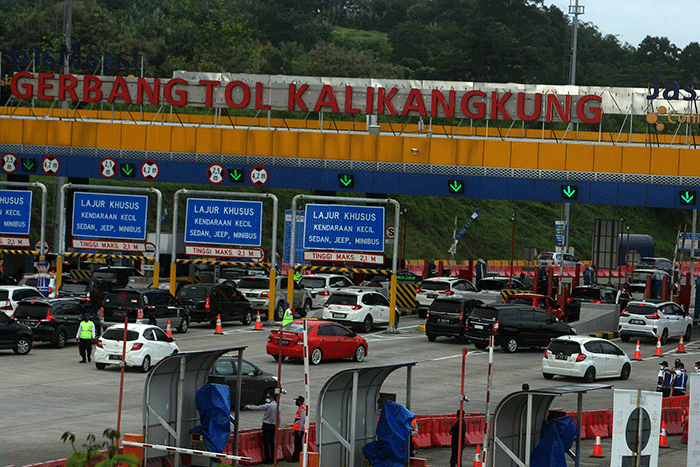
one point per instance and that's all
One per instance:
(115, 357)
(561, 357)
(338, 315)
(637, 321)
(431, 295)
(444, 320)
(29, 322)
(477, 326)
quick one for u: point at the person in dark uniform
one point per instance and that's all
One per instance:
(299, 421)
(454, 431)
(269, 425)
(85, 336)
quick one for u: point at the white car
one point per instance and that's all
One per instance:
(440, 287)
(549, 258)
(321, 286)
(358, 307)
(146, 345)
(10, 295)
(588, 358)
(653, 319)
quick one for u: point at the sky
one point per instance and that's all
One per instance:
(632, 20)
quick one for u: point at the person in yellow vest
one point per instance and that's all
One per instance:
(299, 420)
(85, 336)
(288, 315)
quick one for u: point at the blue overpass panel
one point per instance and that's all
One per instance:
(416, 184)
(306, 179)
(547, 190)
(181, 172)
(389, 182)
(522, 189)
(494, 188)
(631, 194)
(603, 192)
(363, 180)
(661, 196)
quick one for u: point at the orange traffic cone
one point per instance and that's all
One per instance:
(258, 323)
(218, 325)
(637, 353)
(598, 448)
(658, 351)
(477, 457)
(168, 330)
(681, 346)
(663, 442)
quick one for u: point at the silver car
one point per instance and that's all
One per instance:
(321, 286)
(257, 291)
(441, 287)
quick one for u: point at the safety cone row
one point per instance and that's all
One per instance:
(168, 330)
(637, 353)
(218, 329)
(681, 346)
(598, 447)
(658, 351)
(477, 457)
(258, 323)
(663, 442)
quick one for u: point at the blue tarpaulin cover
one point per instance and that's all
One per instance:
(214, 406)
(393, 430)
(556, 439)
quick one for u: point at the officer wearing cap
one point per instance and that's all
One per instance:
(299, 422)
(665, 379)
(288, 315)
(85, 336)
(680, 382)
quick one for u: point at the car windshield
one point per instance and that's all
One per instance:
(104, 275)
(118, 335)
(565, 347)
(445, 306)
(74, 287)
(254, 283)
(640, 276)
(585, 292)
(193, 292)
(483, 312)
(545, 256)
(490, 284)
(297, 327)
(32, 310)
(231, 274)
(434, 285)
(30, 282)
(342, 299)
(519, 301)
(4, 294)
(639, 309)
(313, 282)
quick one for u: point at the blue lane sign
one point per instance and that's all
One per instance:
(102, 215)
(298, 237)
(15, 212)
(344, 228)
(223, 222)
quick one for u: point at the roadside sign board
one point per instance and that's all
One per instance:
(103, 215)
(298, 237)
(223, 222)
(15, 242)
(344, 256)
(344, 228)
(109, 245)
(15, 211)
(255, 254)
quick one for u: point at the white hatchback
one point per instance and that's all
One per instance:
(588, 358)
(358, 307)
(321, 286)
(654, 319)
(146, 345)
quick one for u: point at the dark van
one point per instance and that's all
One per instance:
(144, 306)
(206, 302)
(448, 317)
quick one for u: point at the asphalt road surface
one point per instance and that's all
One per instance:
(46, 393)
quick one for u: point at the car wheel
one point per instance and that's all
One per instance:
(548, 375)
(480, 346)
(23, 346)
(626, 370)
(247, 318)
(60, 339)
(589, 376)
(184, 325)
(316, 356)
(360, 353)
(624, 338)
(277, 358)
(367, 324)
(688, 333)
(100, 366)
(306, 309)
(664, 336)
(397, 316)
(146, 364)
(431, 337)
(511, 345)
(279, 311)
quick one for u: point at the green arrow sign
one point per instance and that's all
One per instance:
(128, 169)
(687, 197)
(455, 187)
(569, 192)
(29, 164)
(235, 175)
(346, 181)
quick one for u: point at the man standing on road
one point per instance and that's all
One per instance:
(664, 382)
(288, 315)
(269, 423)
(680, 384)
(85, 336)
(299, 421)
(454, 431)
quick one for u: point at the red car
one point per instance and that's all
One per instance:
(327, 340)
(540, 301)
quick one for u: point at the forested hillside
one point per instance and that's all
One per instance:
(523, 41)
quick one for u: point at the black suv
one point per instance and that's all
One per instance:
(52, 320)
(106, 279)
(78, 289)
(448, 317)
(587, 294)
(145, 306)
(513, 326)
(205, 302)
(14, 335)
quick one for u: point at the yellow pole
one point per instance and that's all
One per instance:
(271, 301)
